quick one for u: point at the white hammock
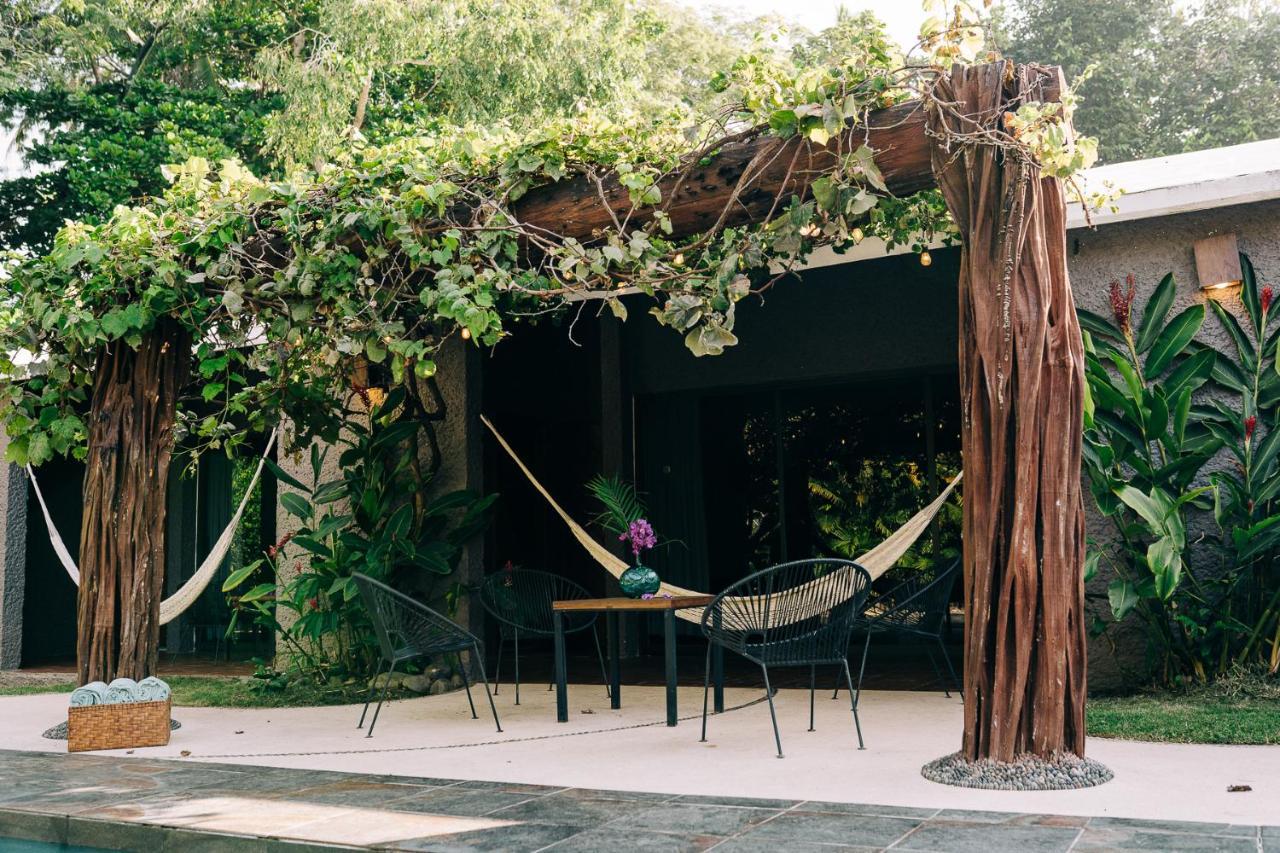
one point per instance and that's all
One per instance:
(186, 595)
(877, 561)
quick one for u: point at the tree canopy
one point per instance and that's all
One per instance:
(1171, 76)
(105, 92)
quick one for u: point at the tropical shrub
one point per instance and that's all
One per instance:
(376, 519)
(855, 509)
(1180, 449)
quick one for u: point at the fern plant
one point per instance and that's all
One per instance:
(620, 504)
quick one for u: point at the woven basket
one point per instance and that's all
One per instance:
(120, 726)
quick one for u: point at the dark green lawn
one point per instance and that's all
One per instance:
(1196, 718)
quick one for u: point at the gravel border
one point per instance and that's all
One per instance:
(1024, 773)
(59, 732)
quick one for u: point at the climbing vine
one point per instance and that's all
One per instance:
(382, 256)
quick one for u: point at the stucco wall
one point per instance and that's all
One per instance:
(1149, 249)
(13, 558)
(461, 467)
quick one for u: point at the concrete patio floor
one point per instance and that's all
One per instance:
(601, 748)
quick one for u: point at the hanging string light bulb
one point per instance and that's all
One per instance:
(925, 258)
(466, 333)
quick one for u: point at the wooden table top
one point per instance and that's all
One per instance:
(678, 602)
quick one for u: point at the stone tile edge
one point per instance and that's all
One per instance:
(59, 828)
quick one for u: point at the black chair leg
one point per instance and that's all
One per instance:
(706, 689)
(853, 701)
(386, 688)
(497, 666)
(485, 682)
(604, 673)
(813, 683)
(373, 686)
(466, 682)
(937, 672)
(517, 638)
(862, 668)
(946, 658)
(768, 690)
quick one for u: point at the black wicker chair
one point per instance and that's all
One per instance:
(795, 614)
(408, 629)
(520, 600)
(917, 607)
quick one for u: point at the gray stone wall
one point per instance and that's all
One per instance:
(13, 558)
(461, 438)
(1149, 249)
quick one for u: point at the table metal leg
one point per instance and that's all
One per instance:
(669, 629)
(615, 655)
(562, 688)
(717, 667)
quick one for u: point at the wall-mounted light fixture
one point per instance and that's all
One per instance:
(1218, 262)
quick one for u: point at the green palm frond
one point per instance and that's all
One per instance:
(620, 502)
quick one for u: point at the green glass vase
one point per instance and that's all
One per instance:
(639, 581)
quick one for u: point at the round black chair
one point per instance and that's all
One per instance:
(795, 614)
(917, 608)
(520, 600)
(409, 630)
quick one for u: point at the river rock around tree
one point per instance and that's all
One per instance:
(1024, 773)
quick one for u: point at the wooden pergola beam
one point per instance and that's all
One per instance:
(579, 208)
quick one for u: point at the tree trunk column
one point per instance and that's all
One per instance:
(1021, 386)
(131, 420)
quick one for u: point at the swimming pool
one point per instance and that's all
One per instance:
(20, 845)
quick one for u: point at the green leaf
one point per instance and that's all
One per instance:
(1181, 411)
(1189, 374)
(1165, 562)
(1249, 294)
(1096, 324)
(296, 505)
(1144, 506)
(1123, 596)
(283, 476)
(259, 592)
(1244, 347)
(315, 546)
(1156, 419)
(1130, 376)
(1173, 340)
(1091, 565)
(239, 576)
(1155, 312)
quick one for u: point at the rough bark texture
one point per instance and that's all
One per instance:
(131, 420)
(1021, 385)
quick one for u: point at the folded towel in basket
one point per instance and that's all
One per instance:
(122, 690)
(93, 693)
(152, 689)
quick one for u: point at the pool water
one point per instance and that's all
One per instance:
(20, 845)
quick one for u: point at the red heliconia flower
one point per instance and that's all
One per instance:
(1122, 303)
(1267, 295)
(1250, 424)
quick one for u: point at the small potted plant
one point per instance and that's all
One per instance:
(623, 514)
